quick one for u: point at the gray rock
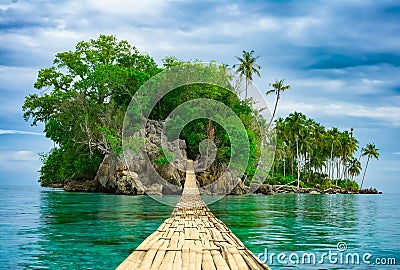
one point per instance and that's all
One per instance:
(155, 189)
(265, 189)
(129, 184)
(83, 186)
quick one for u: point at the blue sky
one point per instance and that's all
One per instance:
(342, 59)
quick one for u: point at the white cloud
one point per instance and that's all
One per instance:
(387, 114)
(327, 85)
(142, 8)
(8, 75)
(270, 24)
(28, 156)
(19, 132)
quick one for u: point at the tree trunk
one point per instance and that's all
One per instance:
(284, 168)
(276, 105)
(337, 170)
(247, 82)
(292, 164)
(330, 164)
(365, 170)
(298, 164)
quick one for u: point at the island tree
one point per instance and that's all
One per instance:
(370, 151)
(247, 67)
(278, 87)
(83, 97)
(81, 101)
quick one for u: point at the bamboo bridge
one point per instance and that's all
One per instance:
(192, 238)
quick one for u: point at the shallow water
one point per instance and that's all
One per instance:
(52, 229)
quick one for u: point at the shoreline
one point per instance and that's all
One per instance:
(271, 190)
(91, 187)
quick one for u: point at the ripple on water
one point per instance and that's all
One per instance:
(43, 229)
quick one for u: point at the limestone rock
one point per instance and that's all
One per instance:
(129, 184)
(83, 186)
(265, 189)
(240, 188)
(155, 189)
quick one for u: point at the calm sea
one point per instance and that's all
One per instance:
(52, 229)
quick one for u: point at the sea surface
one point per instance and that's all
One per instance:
(51, 229)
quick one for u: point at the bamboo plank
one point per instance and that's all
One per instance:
(219, 261)
(133, 261)
(177, 261)
(185, 254)
(239, 260)
(207, 261)
(199, 254)
(249, 260)
(192, 238)
(160, 253)
(168, 261)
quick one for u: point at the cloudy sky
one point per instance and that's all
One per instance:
(342, 59)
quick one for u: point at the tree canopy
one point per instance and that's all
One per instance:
(82, 100)
(84, 95)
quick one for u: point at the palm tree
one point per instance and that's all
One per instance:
(296, 122)
(354, 167)
(278, 87)
(371, 151)
(334, 135)
(247, 66)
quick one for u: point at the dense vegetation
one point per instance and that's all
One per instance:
(85, 93)
(316, 156)
(82, 101)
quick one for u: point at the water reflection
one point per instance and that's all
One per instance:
(81, 230)
(305, 223)
(58, 230)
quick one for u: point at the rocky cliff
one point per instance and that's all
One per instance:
(136, 174)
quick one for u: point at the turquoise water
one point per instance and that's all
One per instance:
(52, 229)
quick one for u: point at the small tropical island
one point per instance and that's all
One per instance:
(83, 97)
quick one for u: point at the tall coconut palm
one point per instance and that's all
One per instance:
(371, 151)
(247, 66)
(354, 167)
(334, 136)
(278, 87)
(296, 122)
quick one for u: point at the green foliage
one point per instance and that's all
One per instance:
(82, 102)
(371, 152)
(165, 157)
(60, 164)
(247, 66)
(315, 179)
(198, 130)
(348, 184)
(279, 179)
(85, 94)
(320, 154)
(113, 140)
(135, 144)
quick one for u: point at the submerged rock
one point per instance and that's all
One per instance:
(265, 189)
(83, 186)
(370, 191)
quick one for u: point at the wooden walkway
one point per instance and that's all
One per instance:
(192, 238)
